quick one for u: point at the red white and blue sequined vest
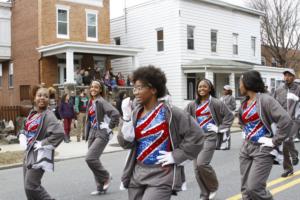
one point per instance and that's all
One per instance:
(92, 115)
(31, 126)
(203, 115)
(254, 127)
(152, 135)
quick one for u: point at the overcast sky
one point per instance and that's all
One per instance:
(117, 6)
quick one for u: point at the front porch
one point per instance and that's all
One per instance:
(220, 72)
(59, 62)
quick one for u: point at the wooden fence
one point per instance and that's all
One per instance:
(9, 113)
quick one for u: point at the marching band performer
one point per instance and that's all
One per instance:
(160, 138)
(213, 116)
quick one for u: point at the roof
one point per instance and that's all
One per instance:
(234, 7)
(196, 66)
(213, 2)
(87, 47)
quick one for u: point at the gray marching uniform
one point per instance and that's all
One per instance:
(229, 101)
(256, 161)
(289, 149)
(50, 132)
(205, 174)
(148, 182)
(98, 138)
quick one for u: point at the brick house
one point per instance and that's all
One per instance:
(50, 39)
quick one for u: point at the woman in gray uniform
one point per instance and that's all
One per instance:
(213, 117)
(41, 135)
(224, 139)
(256, 114)
(101, 118)
(160, 138)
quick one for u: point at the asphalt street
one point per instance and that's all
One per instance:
(72, 180)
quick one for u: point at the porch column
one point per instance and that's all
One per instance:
(61, 74)
(232, 83)
(135, 62)
(70, 66)
(209, 75)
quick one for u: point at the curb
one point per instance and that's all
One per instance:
(15, 165)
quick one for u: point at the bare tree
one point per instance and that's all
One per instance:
(280, 28)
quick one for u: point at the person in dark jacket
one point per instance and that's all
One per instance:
(258, 113)
(160, 138)
(42, 133)
(214, 117)
(101, 118)
(66, 111)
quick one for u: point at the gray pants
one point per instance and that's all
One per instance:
(205, 174)
(150, 193)
(255, 166)
(96, 145)
(289, 150)
(32, 183)
(151, 182)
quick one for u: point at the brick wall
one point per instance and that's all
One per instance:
(77, 22)
(24, 54)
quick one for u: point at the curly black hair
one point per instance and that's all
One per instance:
(252, 81)
(153, 77)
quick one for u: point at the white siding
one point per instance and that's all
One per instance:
(174, 16)
(5, 33)
(142, 23)
(206, 17)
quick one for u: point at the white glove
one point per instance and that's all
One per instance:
(292, 96)
(128, 131)
(126, 109)
(37, 145)
(23, 141)
(213, 128)
(266, 142)
(166, 158)
(104, 125)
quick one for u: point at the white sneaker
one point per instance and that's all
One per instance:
(107, 183)
(296, 140)
(212, 195)
(95, 193)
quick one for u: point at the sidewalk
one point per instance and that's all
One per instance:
(65, 151)
(75, 149)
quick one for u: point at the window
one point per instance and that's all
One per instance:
(191, 86)
(272, 86)
(253, 45)
(190, 37)
(274, 62)
(213, 40)
(117, 40)
(92, 25)
(235, 47)
(263, 61)
(62, 25)
(11, 75)
(160, 39)
(1, 75)
(237, 86)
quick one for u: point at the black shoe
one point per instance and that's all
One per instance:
(295, 161)
(287, 173)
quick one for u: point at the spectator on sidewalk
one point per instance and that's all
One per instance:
(122, 95)
(81, 103)
(67, 113)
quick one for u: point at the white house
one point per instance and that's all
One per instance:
(193, 39)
